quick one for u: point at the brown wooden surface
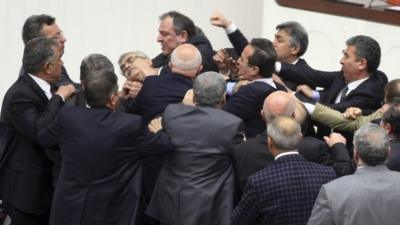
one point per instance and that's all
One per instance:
(345, 9)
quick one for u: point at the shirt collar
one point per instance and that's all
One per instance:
(354, 84)
(286, 153)
(42, 84)
(266, 80)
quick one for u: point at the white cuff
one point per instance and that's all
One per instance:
(310, 107)
(231, 28)
(278, 67)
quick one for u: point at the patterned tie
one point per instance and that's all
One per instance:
(343, 95)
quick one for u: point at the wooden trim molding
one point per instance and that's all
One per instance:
(345, 9)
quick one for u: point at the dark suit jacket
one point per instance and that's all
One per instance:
(247, 104)
(239, 42)
(64, 78)
(101, 173)
(206, 51)
(157, 93)
(393, 162)
(25, 171)
(254, 155)
(367, 96)
(196, 184)
(282, 193)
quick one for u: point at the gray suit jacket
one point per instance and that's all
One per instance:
(196, 184)
(370, 196)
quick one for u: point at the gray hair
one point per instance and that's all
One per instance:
(33, 26)
(372, 144)
(135, 54)
(209, 89)
(285, 132)
(187, 65)
(99, 86)
(298, 35)
(94, 62)
(367, 48)
(37, 52)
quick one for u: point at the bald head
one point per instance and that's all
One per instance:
(186, 60)
(278, 103)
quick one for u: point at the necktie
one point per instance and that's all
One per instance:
(343, 94)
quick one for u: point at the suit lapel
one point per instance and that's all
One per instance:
(35, 87)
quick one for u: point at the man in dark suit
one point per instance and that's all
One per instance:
(45, 26)
(284, 192)
(176, 29)
(196, 184)
(256, 64)
(101, 175)
(290, 42)
(160, 91)
(391, 123)
(29, 105)
(253, 154)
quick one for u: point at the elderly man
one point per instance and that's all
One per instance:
(369, 196)
(45, 26)
(284, 192)
(29, 105)
(196, 184)
(160, 91)
(176, 29)
(252, 156)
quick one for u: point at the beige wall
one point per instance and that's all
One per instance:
(112, 27)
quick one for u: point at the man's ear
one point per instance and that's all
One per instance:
(113, 101)
(255, 70)
(183, 37)
(362, 64)
(295, 50)
(47, 67)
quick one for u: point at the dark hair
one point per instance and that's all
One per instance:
(392, 117)
(392, 92)
(264, 56)
(298, 35)
(37, 52)
(33, 26)
(181, 22)
(366, 48)
(99, 86)
(95, 62)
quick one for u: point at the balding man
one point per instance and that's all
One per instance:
(254, 155)
(284, 192)
(160, 91)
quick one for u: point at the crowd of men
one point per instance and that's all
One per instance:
(244, 135)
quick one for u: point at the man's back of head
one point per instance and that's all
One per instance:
(284, 134)
(371, 145)
(101, 89)
(264, 56)
(278, 103)
(209, 89)
(94, 62)
(186, 60)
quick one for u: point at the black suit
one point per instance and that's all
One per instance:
(64, 78)
(247, 103)
(393, 162)
(254, 155)
(25, 171)
(206, 51)
(101, 174)
(239, 42)
(157, 93)
(367, 96)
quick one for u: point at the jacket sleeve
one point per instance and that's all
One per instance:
(247, 211)
(28, 118)
(307, 75)
(238, 40)
(321, 213)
